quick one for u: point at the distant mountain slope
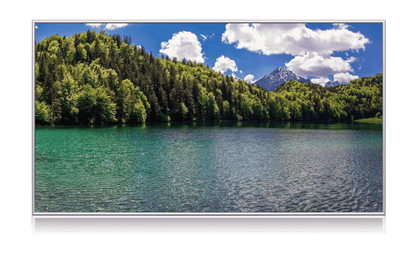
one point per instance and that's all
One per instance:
(278, 77)
(331, 84)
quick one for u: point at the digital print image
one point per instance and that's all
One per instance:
(208, 117)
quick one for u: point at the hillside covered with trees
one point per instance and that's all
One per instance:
(94, 78)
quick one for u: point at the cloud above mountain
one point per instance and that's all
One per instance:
(293, 39)
(249, 78)
(321, 80)
(312, 49)
(344, 77)
(222, 64)
(183, 45)
(313, 64)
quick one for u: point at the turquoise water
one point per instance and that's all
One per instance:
(228, 167)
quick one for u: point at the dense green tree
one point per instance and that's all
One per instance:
(86, 105)
(41, 113)
(96, 78)
(134, 103)
(104, 107)
(68, 95)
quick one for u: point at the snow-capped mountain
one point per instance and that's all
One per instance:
(331, 84)
(278, 77)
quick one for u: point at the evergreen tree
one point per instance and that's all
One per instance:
(96, 78)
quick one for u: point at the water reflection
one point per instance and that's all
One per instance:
(244, 124)
(210, 167)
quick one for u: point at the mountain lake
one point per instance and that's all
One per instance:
(230, 167)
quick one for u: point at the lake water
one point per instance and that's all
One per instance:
(228, 167)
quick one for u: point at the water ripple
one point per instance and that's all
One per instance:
(208, 169)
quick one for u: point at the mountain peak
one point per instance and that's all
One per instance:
(331, 84)
(277, 77)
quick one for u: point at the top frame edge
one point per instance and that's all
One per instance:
(214, 19)
(208, 17)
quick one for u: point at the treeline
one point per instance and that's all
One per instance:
(360, 98)
(96, 78)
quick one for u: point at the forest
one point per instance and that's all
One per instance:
(95, 78)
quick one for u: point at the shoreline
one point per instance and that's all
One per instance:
(229, 123)
(374, 120)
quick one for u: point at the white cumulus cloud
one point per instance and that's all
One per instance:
(321, 80)
(313, 64)
(344, 77)
(183, 45)
(222, 64)
(249, 78)
(340, 25)
(114, 26)
(311, 49)
(108, 26)
(94, 25)
(294, 39)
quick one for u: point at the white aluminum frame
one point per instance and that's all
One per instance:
(212, 224)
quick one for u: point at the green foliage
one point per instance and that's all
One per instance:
(228, 111)
(96, 78)
(68, 95)
(86, 104)
(41, 113)
(212, 108)
(183, 111)
(104, 107)
(362, 97)
(370, 121)
(95, 106)
(134, 103)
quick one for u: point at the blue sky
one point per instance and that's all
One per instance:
(318, 51)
